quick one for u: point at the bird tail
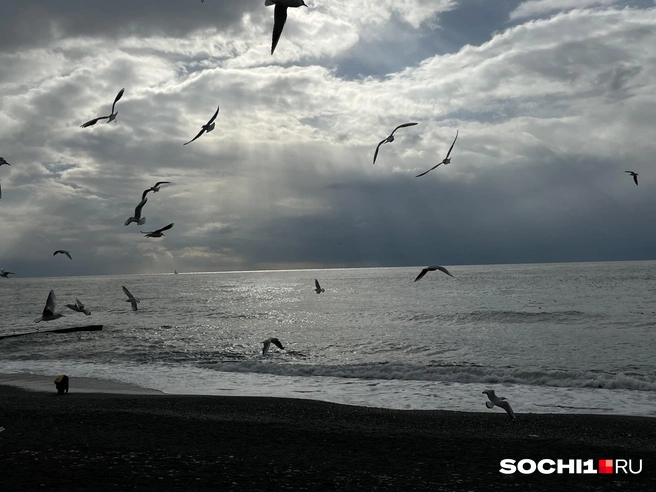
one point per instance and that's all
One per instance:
(142, 221)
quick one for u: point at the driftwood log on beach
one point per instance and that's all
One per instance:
(58, 330)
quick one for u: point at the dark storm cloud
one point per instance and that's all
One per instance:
(38, 22)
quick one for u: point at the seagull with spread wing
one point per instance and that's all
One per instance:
(5, 274)
(78, 307)
(446, 159)
(280, 17)
(499, 402)
(111, 117)
(131, 299)
(317, 288)
(390, 138)
(137, 214)
(154, 189)
(206, 128)
(63, 252)
(49, 313)
(432, 269)
(158, 232)
(635, 176)
(267, 343)
(3, 161)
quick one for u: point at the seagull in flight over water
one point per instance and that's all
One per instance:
(158, 232)
(111, 117)
(390, 138)
(317, 287)
(267, 343)
(499, 402)
(446, 159)
(206, 128)
(137, 214)
(49, 311)
(131, 299)
(432, 269)
(79, 307)
(5, 274)
(280, 16)
(63, 252)
(154, 189)
(635, 176)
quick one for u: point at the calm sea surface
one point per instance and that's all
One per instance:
(576, 337)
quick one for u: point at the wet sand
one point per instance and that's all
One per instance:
(103, 441)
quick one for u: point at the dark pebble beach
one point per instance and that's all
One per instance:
(97, 442)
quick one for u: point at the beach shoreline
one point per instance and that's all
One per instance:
(114, 441)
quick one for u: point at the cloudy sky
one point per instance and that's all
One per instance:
(553, 101)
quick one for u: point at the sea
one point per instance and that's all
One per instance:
(551, 338)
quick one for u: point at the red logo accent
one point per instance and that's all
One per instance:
(606, 466)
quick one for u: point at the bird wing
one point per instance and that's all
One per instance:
(442, 269)
(133, 303)
(277, 343)
(127, 293)
(165, 228)
(279, 18)
(451, 148)
(421, 274)
(402, 126)
(209, 122)
(143, 196)
(377, 147)
(506, 406)
(635, 178)
(94, 121)
(73, 307)
(266, 344)
(160, 183)
(118, 96)
(68, 254)
(137, 210)
(3, 161)
(202, 130)
(426, 172)
(49, 310)
(78, 303)
(316, 284)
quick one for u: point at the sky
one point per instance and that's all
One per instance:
(553, 101)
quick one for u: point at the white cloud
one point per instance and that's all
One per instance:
(534, 8)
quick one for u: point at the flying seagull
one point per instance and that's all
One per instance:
(5, 274)
(79, 307)
(280, 16)
(499, 402)
(267, 343)
(63, 252)
(158, 232)
(446, 159)
(390, 139)
(206, 128)
(635, 176)
(111, 117)
(432, 269)
(317, 287)
(49, 311)
(137, 214)
(131, 299)
(154, 189)
(3, 161)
